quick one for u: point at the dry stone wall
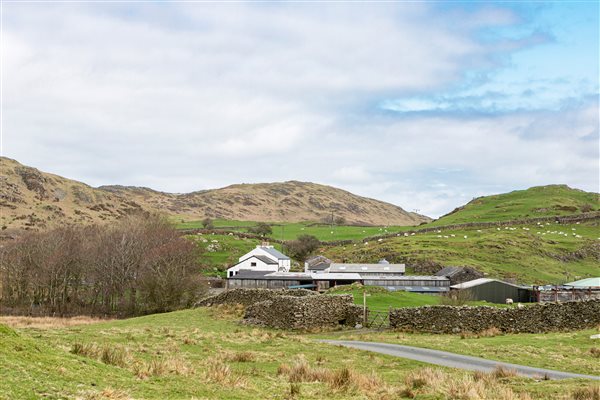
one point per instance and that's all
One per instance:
(537, 318)
(286, 312)
(248, 297)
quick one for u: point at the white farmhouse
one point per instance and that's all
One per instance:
(262, 258)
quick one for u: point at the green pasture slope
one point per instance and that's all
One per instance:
(291, 230)
(381, 299)
(542, 254)
(207, 354)
(539, 201)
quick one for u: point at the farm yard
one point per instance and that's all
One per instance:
(206, 353)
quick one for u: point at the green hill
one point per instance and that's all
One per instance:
(539, 201)
(531, 253)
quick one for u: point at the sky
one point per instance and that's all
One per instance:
(422, 104)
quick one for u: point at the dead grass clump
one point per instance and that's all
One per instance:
(241, 356)
(189, 341)
(228, 311)
(48, 322)
(587, 393)
(595, 352)
(424, 377)
(295, 390)
(221, 373)
(343, 379)
(106, 394)
(489, 332)
(476, 386)
(85, 349)
(115, 355)
(503, 372)
(161, 367)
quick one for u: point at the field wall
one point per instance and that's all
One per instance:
(248, 297)
(537, 318)
(307, 312)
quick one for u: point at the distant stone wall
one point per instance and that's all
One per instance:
(248, 297)
(286, 312)
(532, 319)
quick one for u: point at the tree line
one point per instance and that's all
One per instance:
(136, 266)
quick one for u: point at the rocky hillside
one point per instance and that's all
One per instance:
(33, 199)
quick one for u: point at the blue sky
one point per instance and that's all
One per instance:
(425, 105)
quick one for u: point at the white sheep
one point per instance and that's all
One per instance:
(509, 301)
(465, 236)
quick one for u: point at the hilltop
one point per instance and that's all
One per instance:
(538, 201)
(33, 199)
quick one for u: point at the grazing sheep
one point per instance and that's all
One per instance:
(509, 301)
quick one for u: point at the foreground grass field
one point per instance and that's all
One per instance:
(206, 354)
(565, 351)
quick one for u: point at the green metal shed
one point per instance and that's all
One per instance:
(495, 291)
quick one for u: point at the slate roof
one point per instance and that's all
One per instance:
(264, 259)
(275, 253)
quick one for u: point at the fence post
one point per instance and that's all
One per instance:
(364, 308)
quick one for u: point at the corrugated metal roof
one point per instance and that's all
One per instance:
(382, 268)
(319, 267)
(406, 278)
(481, 281)
(250, 274)
(336, 277)
(588, 282)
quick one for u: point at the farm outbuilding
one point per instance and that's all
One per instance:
(495, 291)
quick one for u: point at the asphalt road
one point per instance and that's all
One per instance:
(453, 360)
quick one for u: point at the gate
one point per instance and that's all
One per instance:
(378, 320)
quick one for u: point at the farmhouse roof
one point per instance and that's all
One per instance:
(275, 253)
(265, 259)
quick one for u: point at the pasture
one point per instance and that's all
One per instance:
(206, 353)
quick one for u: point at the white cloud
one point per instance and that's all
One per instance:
(187, 97)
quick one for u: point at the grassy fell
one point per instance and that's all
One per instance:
(532, 253)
